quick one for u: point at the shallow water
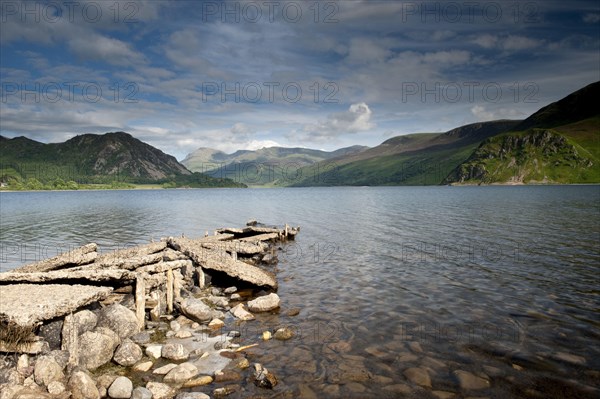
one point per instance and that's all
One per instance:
(502, 282)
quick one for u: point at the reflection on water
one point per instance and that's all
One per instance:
(498, 282)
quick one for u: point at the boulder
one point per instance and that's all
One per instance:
(128, 353)
(198, 311)
(121, 388)
(56, 388)
(82, 386)
(241, 313)
(160, 390)
(175, 352)
(141, 393)
(119, 319)
(154, 351)
(263, 378)
(97, 347)
(181, 373)
(264, 303)
(47, 370)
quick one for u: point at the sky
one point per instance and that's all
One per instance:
(233, 75)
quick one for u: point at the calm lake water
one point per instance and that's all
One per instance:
(501, 282)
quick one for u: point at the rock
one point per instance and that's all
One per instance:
(230, 290)
(266, 335)
(283, 334)
(263, 378)
(218, 301)
(226, 376)
(24, 366)
(469, 381)
(216, 324)
(236, 297)
(128, 353)
(97, 347)
(243, 364)
(234, 334)
(121, 388)
(51, 332)
(415, 347)
(104, 382)
(141, 393)
(61, 357)
(270, 259)
(241, 313)
(160, 390)
(418, 376)
(197, 310)
(183, 334)
(175, 326)
(443, 394)
(86, 320)
(400, 389)
(293, 312)
(47, 370)
(215, 291)
(119, 319)
(82, 386)
(175, 352)
(143, 366)
(164, 369)
(56, 388)
(192, 395)
(154, 351)
(197, 382)
(141, 338)
(181, 373)
(264, 303)
(225, 391)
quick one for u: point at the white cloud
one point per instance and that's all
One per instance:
(112, 51)
(509, 43)
(258, 144)
(356, 119)
(483, 115)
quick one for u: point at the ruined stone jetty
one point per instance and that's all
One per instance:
(80, 308)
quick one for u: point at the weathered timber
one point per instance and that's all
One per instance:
(260, 237)
(140, 301)
(78, 256)
(162, 267)
(28, 304)
(67, 275)
(222, 262)
(139, 251)
(170, 291)
(244, 248)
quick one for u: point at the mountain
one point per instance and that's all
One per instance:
(413, 159)
(558, 144)
(92, 158)
(263, 167)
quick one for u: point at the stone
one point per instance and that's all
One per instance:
(143, 366)
(51, 332)
(121, 388)
(104, 382)
(164, 369)
(264, 303)
(443, 394)
(415, 347)
(181, 373)
(418, 376)
(216, 324)
(86, 320)
(469, 381)
(141, 393)
(197, 382)
(160, 390)
(128, 353)
(61, 357)
(82, 386)
(263, 378)
(236, 297)
(226, 376)
(96, 347)
(47, 370)
(570, 358)
(283, 334)
(241, 313)
(218, 301)
(243, 363)
(225, 391)
(230, 290)
(154, 351)
(183, 334)
(400, 389)
(56, 388)
(175, 326)
(175, 352)
(266, 335)
(293, 312)
(141, 338)
(119, 319)
(197, 310)
(192, 395)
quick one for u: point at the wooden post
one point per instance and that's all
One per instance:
(201, 277)
(286, 230)
(140, 301)
(170, 291)
(70, 341)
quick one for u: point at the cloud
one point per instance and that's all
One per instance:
(591, 18)
(509, 43)
(356, 119)
(484, 115)
(112, 51)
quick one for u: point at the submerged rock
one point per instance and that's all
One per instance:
(469, 381)
(418, 376)
(263, 378)
(241, 313)
(283, 334)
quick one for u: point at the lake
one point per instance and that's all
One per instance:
(469, 284)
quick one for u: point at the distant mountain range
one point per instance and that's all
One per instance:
(94, 159)
(558, 144)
